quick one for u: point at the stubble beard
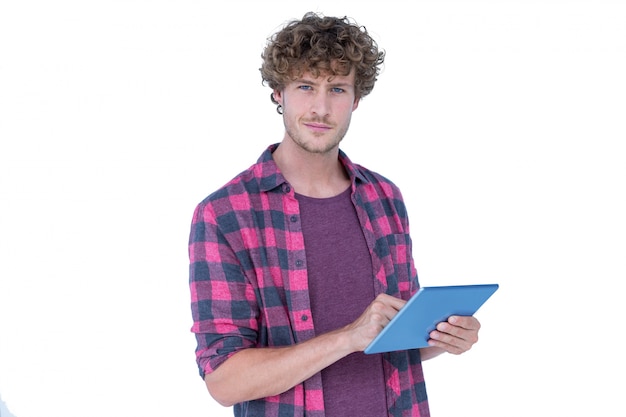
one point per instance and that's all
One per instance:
(319, 146)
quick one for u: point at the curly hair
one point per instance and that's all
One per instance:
(322, 45)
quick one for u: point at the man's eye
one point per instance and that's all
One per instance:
(305, 87)
(338, 90)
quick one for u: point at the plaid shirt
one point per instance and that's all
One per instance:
(249, 284)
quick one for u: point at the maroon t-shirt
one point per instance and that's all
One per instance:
(341, 285)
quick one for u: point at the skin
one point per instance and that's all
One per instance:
(317, 113)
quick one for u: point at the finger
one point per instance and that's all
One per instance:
(449, 343)
(388, 300)
(466, 335)
(386, 305)
(465, 322)
(452, 349)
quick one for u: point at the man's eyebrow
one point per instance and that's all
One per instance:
(305, 81)
(314, 83)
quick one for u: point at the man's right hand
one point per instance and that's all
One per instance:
(372, 321)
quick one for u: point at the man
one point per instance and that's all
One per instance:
(301, 260)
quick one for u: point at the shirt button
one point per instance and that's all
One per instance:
(299, 263)
(304, 317)
(287, 189)
(293, 219)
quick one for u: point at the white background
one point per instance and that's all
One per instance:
(502, 121)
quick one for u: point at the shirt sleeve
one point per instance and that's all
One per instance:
(223, 303)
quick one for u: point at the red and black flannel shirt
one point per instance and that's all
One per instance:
(249, 285)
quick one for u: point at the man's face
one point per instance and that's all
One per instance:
(317, 111)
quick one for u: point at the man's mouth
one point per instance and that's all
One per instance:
(318, 127)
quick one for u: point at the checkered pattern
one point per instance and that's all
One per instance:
(249, 284)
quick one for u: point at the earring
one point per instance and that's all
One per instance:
(279, 108)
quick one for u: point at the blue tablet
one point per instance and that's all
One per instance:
(410, 327)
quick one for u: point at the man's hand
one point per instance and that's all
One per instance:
(457, 335)
(372, 321)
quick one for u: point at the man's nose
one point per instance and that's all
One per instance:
(320, 104)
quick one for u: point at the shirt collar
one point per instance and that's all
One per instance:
(270, 176)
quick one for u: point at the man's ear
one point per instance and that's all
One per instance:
(356, 103)
(278, 97)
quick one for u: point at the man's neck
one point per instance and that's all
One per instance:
(319, 175)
